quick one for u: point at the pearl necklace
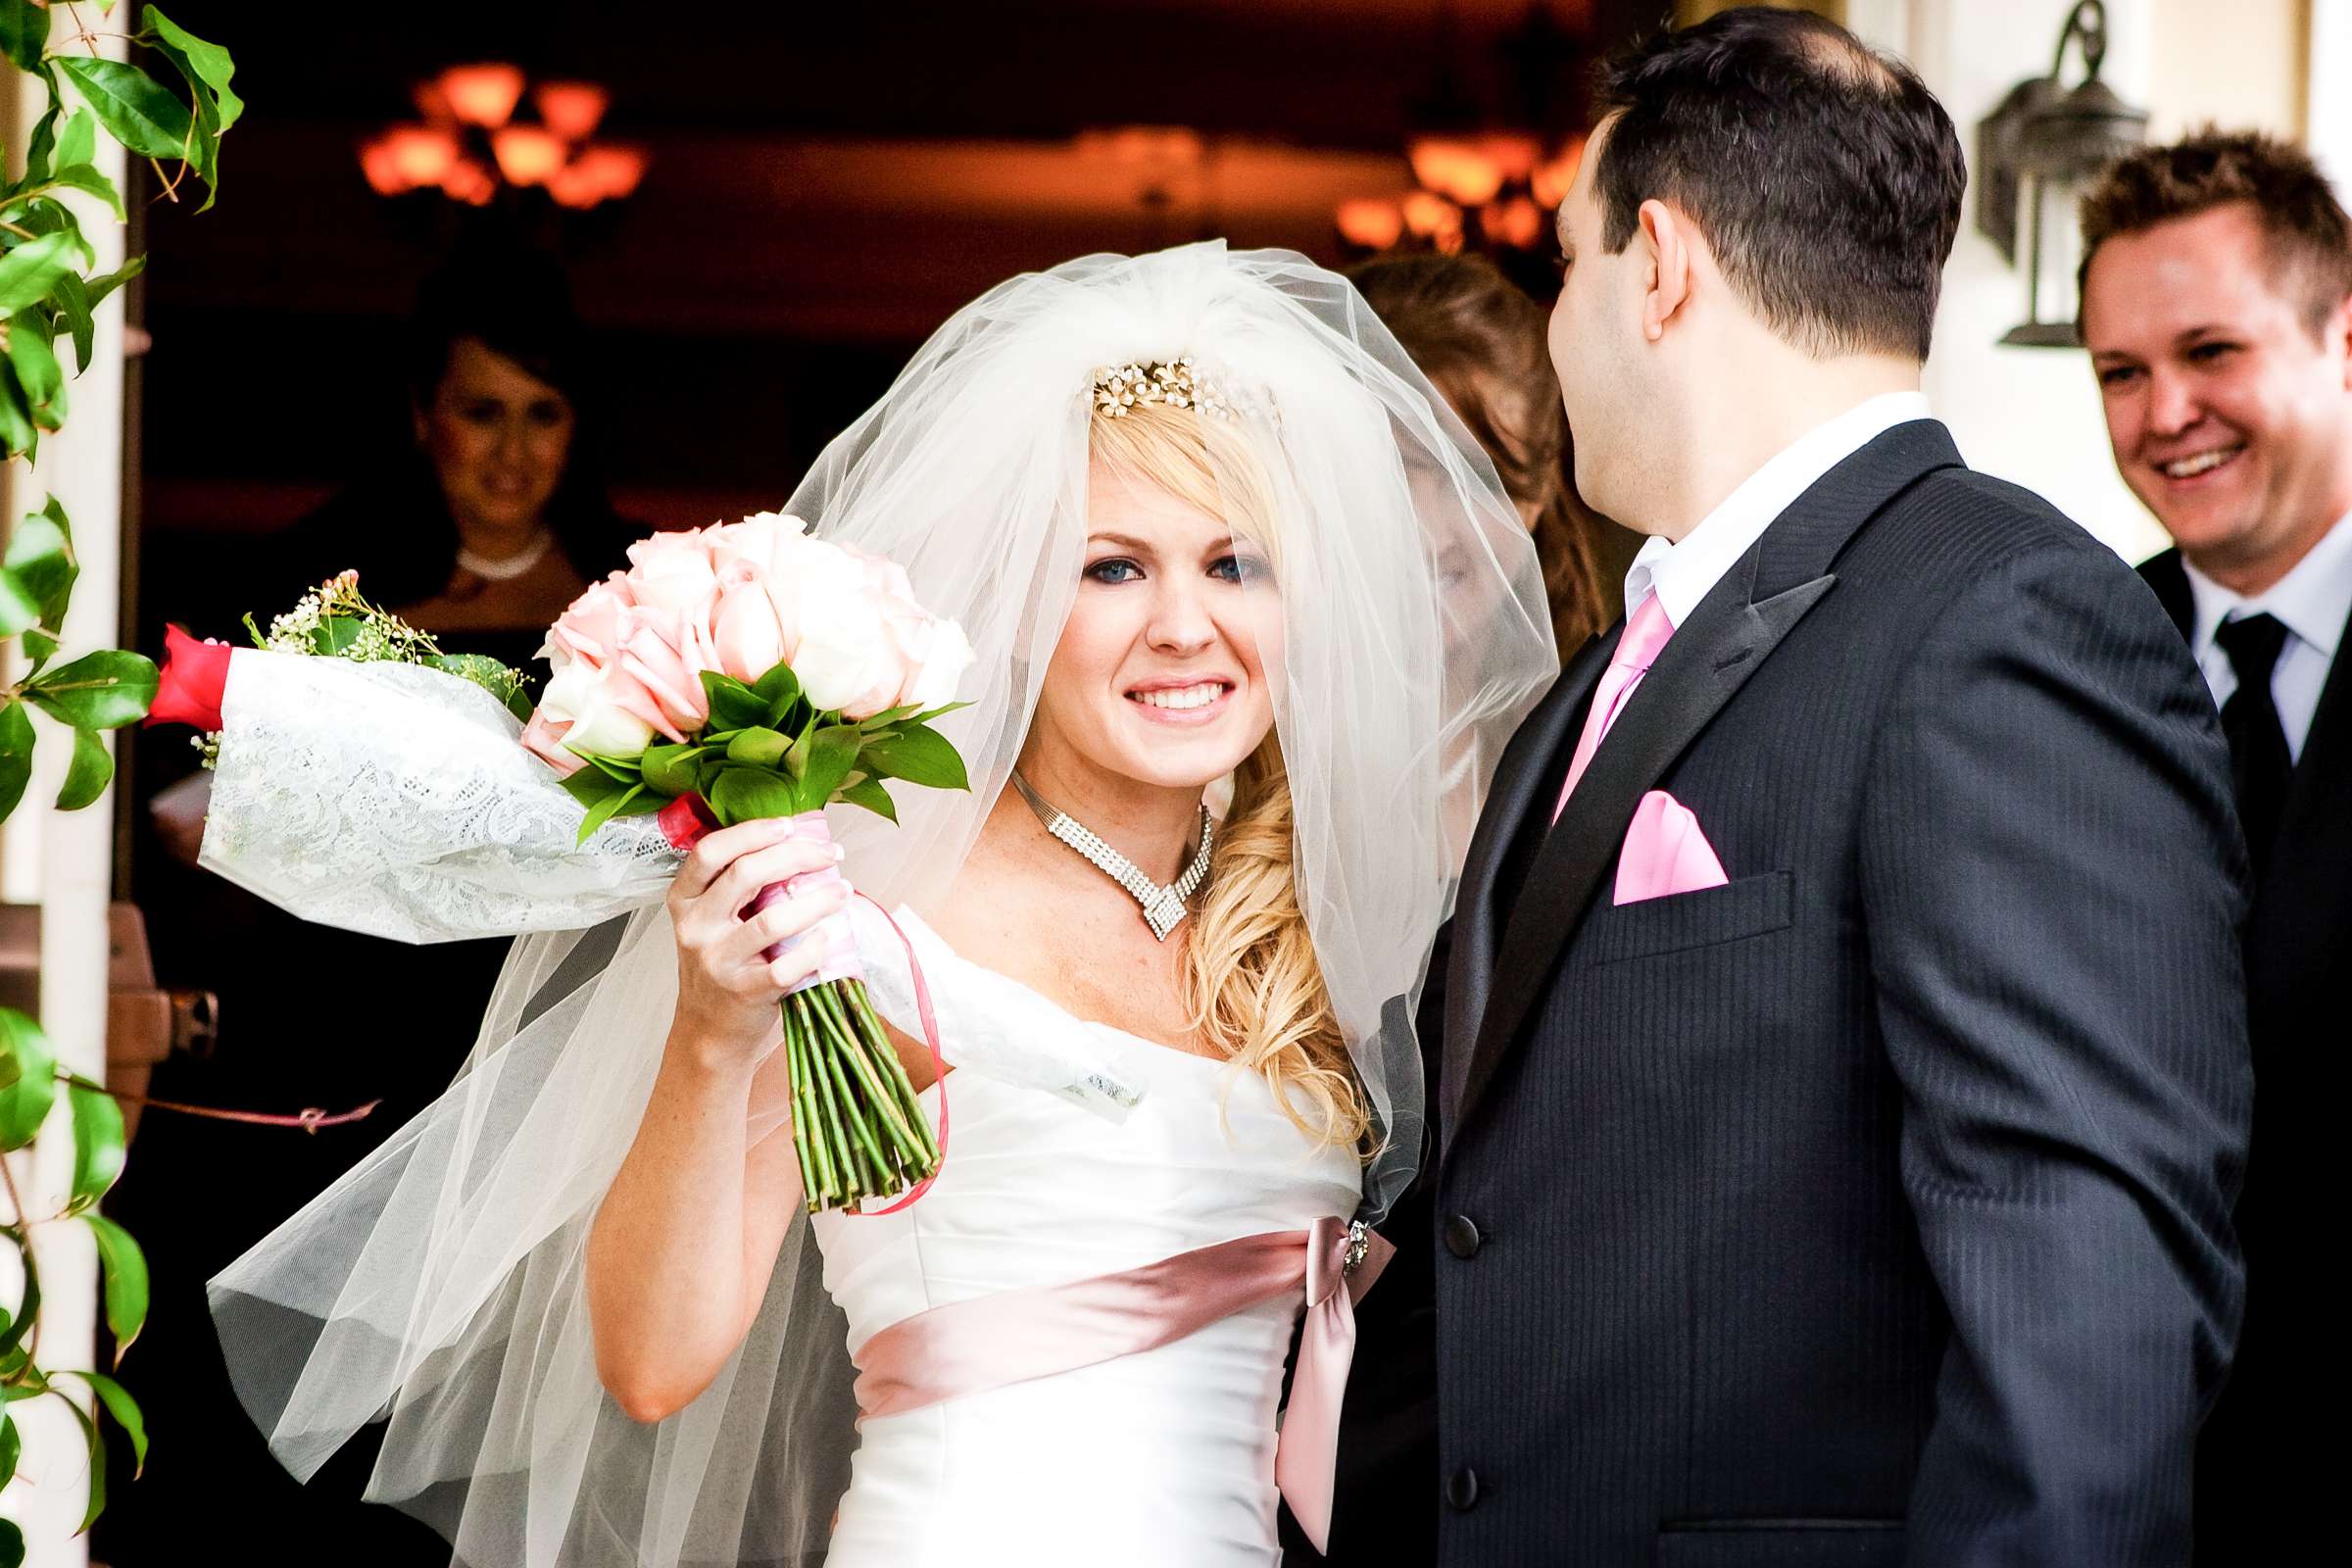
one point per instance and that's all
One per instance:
(505, 568)
(1165, 906)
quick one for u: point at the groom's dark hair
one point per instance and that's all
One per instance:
(1825, 177)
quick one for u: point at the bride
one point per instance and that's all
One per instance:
(1252, 617)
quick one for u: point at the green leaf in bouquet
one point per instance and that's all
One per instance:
(670, 768)
(641, 801)
(24, 33)
(32, 269)
(492, 676)
(40, 560)
(749, 794)
(104, 690)
(758, 747)
(25, 1105)
(779, 689)
(97, 1145)
(86, 778)
(832, 757)
(38, 373)
(338, 635)
(919, 754)
(940, 711)
(869, 793)
(122, 1270)
(623, 768)
(136, 109)
(123, 1407)
(733, 704)
(16, 755)
(590, 785)
(611, 807)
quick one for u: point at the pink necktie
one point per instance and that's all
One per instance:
(1645, 634)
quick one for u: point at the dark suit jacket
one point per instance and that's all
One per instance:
(1872, 1208)
(2254, 1472)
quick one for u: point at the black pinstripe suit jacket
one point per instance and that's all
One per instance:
(1872, 1208)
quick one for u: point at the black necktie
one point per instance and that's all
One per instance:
(2258, 754)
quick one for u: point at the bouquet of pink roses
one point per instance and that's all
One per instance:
(366, 780)
(750, 671)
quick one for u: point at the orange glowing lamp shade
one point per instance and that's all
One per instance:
(484, 94)
(612, 169)
(1514, 220)
(1462, 170)
(527, 155)
(469, 182)
(1512, 154)
(406, 158)
(1553, 179)
(1371, 223)
(570, 109)
(1428, 215)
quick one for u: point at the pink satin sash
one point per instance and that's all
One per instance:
(993, 1340)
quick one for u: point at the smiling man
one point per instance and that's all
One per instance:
(2217, 305)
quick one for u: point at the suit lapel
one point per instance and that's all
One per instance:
(1527, 780)
(1703, 666)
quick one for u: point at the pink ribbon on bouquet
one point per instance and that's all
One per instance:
(687, 819)
(991, 1342)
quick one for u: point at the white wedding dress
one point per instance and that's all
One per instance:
(1164, 1457)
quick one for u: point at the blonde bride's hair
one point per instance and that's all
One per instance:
(1250, 975)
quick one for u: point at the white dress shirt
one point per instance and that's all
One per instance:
(1682, 574)
(2311, 602)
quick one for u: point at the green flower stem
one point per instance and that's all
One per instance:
(878, 1093)
(865, 1135)
(824, 1092)
(860, 1008)
(857, 1122)
(793, 1058)
(832, 1180)
(886, 1079)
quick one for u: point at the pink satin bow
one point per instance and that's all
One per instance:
(991, 1342)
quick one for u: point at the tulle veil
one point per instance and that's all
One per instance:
(439, 1285)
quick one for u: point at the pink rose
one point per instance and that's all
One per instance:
(665, 655)
(760, 539)
(590, 629)
(754, 627)
(673, 573)
(588, 711)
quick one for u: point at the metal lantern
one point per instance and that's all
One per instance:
(2034, 155)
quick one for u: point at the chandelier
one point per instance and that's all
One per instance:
(1491, 191)
(470, 144)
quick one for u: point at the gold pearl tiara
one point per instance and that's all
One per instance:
(1179, 383)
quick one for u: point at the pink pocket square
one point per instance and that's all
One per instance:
(1665, 853)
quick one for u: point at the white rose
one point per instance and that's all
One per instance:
(589, 701)
(846, 652)
(933, 682)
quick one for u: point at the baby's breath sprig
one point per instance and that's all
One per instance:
(335, 620)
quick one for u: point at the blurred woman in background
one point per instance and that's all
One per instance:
(1477, 336)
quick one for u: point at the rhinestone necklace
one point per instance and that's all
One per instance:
(1165, 906)
(505, 568)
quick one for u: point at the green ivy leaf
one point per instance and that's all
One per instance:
(86, 778)
(104, 690)
(123, 1269)
(749, 794)
(97, 1447)
(671, 767)
(19, 607)
(17, 429)
(71, 297)
(106, 283)
(24, 33)
(28, 271)
(38, 647)
(40, 559)
(29, 1312)
(832, 755)
(123, 1407)
(758, 747)
(919, 754)
(38, 373)
(12, 1545)
(98, 1145)
(870, 793)
(206, 68)
(86, 178)
(12, 1447)
(25, 1105)
(77, 139)
(16, 757)
(135, 107)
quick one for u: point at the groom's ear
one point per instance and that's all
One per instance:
(1666, 235)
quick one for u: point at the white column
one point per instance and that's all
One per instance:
(64, 862)
(2030, 415)
(2328, 91)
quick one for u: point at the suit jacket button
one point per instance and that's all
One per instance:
(1461, 1240)
(1461, 1489)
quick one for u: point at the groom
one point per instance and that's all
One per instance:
(1845, 1078)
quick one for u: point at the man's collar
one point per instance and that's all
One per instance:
(2312, 600)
